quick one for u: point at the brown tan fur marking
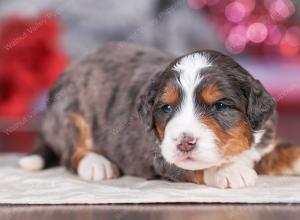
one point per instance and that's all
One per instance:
(85, 141)
(170, 95)
(232, 141)
(280, 161)
(160, 132)
(198, 177)
(211, 94)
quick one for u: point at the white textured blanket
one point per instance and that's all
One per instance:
(57, 186)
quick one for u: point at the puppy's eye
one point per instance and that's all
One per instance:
(219, 106)
(167, 109)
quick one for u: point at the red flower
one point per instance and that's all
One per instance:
(30, 61)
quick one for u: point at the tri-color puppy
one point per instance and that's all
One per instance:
(208, 121)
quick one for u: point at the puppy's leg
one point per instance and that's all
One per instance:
(41, 157)
(283, 160)
(233, 175)
(96, 167)
(84, 161)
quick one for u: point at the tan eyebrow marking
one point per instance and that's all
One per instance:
(212, 94)
(170, 94)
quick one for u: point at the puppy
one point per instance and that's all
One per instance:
(207, 120)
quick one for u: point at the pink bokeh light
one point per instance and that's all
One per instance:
(257, 32)
(235, 12)
(280, 9)
(274, 35)
(290, 44)
(236, 40)
(249, 5)
(260, 27)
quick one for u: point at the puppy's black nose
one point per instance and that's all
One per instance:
(187, 143)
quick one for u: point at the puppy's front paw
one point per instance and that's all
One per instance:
(96, 167)
(230, 176)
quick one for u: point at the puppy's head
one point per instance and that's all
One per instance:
(205, 110)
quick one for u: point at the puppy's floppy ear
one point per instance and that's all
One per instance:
(145, 105)
(261, 104)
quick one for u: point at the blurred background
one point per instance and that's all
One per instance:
(40, 38)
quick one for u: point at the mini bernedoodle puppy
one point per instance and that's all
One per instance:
(207, 120)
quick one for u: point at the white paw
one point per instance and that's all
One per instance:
(95, 167)
(32, 162)
(230, 176)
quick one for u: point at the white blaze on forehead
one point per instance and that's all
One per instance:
(189, 68)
